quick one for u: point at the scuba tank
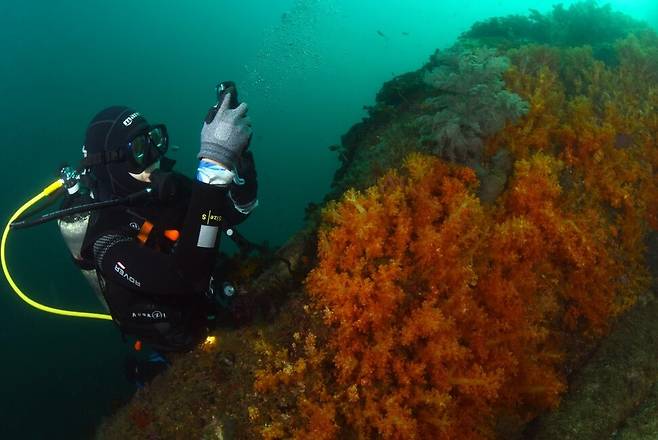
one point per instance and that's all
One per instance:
(73, 228)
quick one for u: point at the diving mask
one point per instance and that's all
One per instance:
(147, 148)
(141, 151)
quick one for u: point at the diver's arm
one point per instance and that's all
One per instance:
(242, 186)
(122, 259)
(226, 161)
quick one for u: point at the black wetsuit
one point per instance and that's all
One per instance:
(156, 287)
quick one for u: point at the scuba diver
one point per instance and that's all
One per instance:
(146, 237)
(152, 260)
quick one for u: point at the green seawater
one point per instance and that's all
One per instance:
(306, 69)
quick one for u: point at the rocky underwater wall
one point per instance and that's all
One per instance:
(491, 226)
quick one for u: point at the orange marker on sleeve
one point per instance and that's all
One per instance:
(172, 234)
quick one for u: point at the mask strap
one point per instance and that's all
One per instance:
(102, 158)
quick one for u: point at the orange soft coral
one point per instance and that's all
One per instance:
(596, 119)
(440, 313)
(397, 346)
(443, 313)
(602, 123)
(570, 246)
(296, 374)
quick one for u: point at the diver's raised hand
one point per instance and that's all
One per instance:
(226, 137)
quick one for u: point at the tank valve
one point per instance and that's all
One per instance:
(71, 179)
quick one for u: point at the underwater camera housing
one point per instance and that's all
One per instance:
(222, 89)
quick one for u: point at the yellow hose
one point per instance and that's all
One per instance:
(45, 193)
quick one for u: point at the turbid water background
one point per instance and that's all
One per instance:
(306, 68)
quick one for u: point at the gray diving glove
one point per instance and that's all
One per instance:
(226, 137)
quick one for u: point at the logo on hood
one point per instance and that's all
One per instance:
(129, 120)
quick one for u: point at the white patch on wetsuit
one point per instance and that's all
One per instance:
(207, 236)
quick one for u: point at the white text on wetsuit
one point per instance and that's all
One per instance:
(151, 315)
(120, 269)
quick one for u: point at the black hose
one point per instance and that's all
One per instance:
(78, 209)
